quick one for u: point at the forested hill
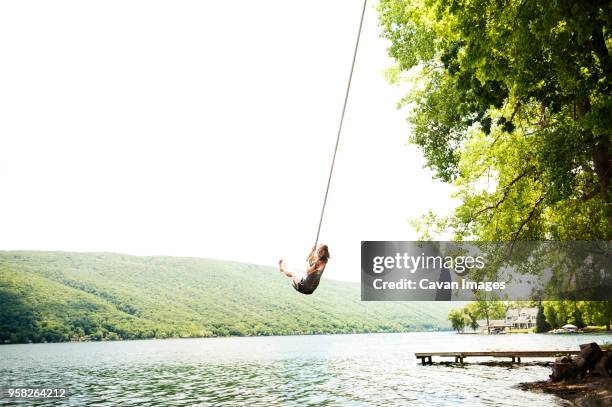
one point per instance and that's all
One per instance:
(59, 296)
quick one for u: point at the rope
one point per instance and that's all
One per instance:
(348, 88)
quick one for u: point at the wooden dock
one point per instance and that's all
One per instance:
(426, 358)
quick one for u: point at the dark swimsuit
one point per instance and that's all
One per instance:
(308, 283)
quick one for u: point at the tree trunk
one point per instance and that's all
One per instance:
(601, 152)
(598, 44)
(602, 159)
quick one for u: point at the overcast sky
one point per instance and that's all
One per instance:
(201, 128)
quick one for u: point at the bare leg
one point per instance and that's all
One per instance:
(296, 277)
(283, 268)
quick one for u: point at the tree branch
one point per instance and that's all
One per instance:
(598, 44)
(526, 221)
(591, 194)
(516, 108)
(506, 191)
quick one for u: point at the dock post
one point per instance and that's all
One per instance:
(513, 359)
(519, 359)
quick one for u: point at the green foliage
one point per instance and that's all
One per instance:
(511, 102)
(541, 324)
(469, 315)
(457, 319)
(551, 314)
(56, 296)
(579, 313)
(486, 309)
(489, 309)
(598, 313)
(472, 320)
(578, 320)
(551, 317)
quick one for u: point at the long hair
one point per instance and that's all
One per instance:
(323, 252)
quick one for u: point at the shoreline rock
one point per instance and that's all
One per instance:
(588, 392)
(583, 380)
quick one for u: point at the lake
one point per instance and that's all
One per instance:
(357, 370)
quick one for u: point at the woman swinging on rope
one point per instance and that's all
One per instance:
(308, 282)
(317, 260)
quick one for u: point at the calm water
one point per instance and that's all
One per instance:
(358, 370)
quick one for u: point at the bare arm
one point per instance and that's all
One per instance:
(317, 266)
(311, 255)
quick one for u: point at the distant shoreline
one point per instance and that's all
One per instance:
(589, 332)
(450, 331)
(231, 336)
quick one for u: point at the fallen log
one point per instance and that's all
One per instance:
(602, 367)
(563, 359)
(591, 360)
(563, 369)
(591, 352)
(579, 362)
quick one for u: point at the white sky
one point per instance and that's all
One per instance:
(201, 128)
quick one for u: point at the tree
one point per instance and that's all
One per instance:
(488, 310)
(457, 319)
(516, 97)
(541, 324)
(551, 316)
(483, 308)
(599, 312)
(472, 321)
(578, 321)
(511, 103)
(565, 311)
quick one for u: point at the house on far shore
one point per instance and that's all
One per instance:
(516, 318)
(522, 318)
